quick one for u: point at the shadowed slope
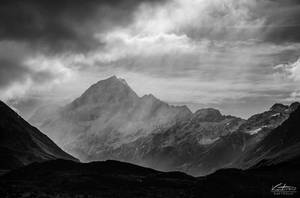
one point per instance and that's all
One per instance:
(21, 143)
(118, 179)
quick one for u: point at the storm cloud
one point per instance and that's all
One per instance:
(63, 25)
(218, 53)
(39, 28)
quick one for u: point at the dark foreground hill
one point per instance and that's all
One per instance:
(22, 144)
(61, 178)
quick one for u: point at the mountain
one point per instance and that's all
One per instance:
(230, 149)
(205, 142)
(180, 145)
(106, 116)
(281, 144)
(268, 120)
(277, 165)
(61, 178)
(110, 121)
(22, 144)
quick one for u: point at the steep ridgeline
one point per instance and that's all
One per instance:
(230, 149)
(22, 144)
(204, 143)
(106, 116)
(109, 121)
(178, 146)
(279, 145)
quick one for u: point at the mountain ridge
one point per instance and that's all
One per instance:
(110, 121)
(21, 143)
(110, 113)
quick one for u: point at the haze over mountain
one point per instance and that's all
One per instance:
(274, 159)
(110, 121)
(22, 144)
(202, 146)
(237, 56)
(210, 92)
(105, 116)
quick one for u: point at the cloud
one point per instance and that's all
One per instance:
(11, 66)
(11, 72)
(272, 21)
(21, 70)
(195, 52)
(282, 21)
(36, 36)
(63, 25)
(293, 96)
(290, 70)
(199, 52)
(200, 19)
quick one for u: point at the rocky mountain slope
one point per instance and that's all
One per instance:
(204, 143)
(277, 165)
(109, 121)
(177, 147)
(106, 116)
(21, 143)
(281, 144)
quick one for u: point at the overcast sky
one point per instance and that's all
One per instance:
(240, 56)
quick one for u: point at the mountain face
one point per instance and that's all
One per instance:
(106, 116)
(230, 149)
(268, 120)
(205, 142)
(179, 146)
(279, 145)
(21, 143)
(110, 121)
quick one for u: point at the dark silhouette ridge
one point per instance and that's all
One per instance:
(119, 179)
(22, 144)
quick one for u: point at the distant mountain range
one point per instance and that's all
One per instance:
(239, 158)
(22, 144)
(63, 178)
(110, 121)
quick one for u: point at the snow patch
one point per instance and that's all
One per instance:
(275, 115)
(255, 131)
(206, 141)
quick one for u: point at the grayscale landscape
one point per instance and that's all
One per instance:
(149, 98)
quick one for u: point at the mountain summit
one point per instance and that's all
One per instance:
(111, 90)
(110, 121)
(106, 116)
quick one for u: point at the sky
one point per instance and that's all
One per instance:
(240, 56)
